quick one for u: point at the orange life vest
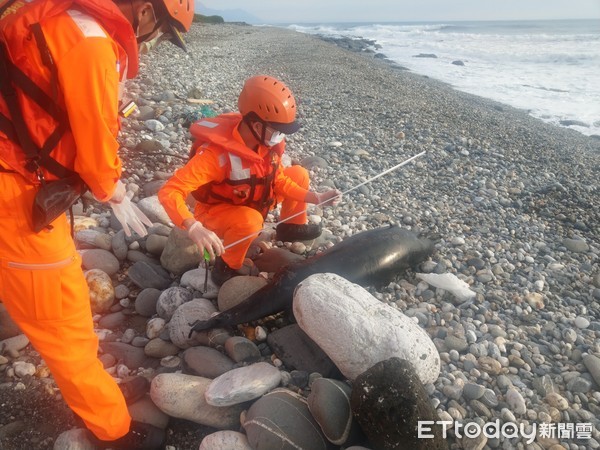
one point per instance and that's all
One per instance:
(37, 90)
(249, 177)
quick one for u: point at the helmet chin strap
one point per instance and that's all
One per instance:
(259, 137)
(143, 38)
(136, 25)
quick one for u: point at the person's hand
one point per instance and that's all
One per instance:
(206, 240)
(127, 213)
(328, 198)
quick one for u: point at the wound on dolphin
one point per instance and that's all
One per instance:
(370, 258)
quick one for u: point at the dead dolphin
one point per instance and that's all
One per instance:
(369, 258)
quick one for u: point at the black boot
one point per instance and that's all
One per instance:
(141, 436)
(289, 232)
(221, 272)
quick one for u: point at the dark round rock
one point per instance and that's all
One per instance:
(281, 420)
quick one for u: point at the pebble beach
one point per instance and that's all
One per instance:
(513, 202)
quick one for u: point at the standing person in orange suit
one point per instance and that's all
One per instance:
(61, 62)
(237, 178)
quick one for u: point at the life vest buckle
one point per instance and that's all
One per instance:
(32, 166)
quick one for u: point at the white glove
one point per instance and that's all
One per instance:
(130, 215)
(119, 193)
(329, 198)
(206, 240)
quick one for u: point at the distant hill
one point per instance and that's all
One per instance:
(229, 15)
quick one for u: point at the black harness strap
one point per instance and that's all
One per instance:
(10, 97)
(7, 128)
(32, 90)
(48, 61)
(4, 7)
(205, 194)
(17, 130)
(3, 170)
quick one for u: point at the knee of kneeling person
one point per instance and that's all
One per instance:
(299, 174)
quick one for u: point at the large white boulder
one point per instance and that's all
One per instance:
(357, 331)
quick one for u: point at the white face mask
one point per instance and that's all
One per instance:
(147, 46)
(276, 138)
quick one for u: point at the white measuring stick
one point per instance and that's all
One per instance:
(391, 169)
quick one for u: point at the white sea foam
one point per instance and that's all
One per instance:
(549, 68)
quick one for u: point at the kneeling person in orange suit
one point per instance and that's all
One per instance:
(237, 178)
(61, 62)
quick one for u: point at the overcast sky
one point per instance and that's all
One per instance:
(274, 11)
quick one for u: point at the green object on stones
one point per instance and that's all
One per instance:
(207, 111)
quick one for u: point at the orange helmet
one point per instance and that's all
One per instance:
(270, 101)
(179, 15)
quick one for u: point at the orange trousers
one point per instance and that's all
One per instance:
(45, 293)
(232, 223)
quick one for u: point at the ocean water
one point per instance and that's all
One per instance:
(549, 68)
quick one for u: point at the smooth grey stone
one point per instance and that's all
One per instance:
(238, 289)
(206, 362)
(90, 238)
(112, 321)
(592, 363)
(225, 440)
(182, 396)
(154, 210)
(179, 326)
(170, 299)
(241, 349)
(456, 343)
(299, 378)
(297, 351)
(197, 280)
(155, 244)
(158, 348)
(121, 291)
(145, 302)
(100, 259)
(132, 357)
(146, 275)
(489, 399)
(119, 245)
(579, 384)
(576, 245)
(159, 229)
(180, 253)
(140, 341)
(543, 385)
(311, 162)
(242, 384)
(144, 410)
(75, 439)
(281, 420)
(137, 256)
(329, 403)
(480, 409)
(472, 391)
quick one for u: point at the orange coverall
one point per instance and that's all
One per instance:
(229, 221)
(41, 282)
